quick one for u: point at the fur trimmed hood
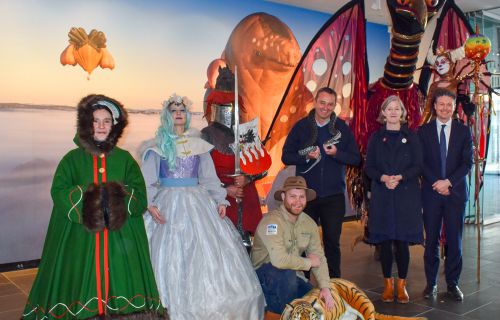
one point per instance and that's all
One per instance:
(85, 123)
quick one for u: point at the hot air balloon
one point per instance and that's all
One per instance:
(88, 51)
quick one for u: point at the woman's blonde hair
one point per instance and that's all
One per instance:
(387, 101)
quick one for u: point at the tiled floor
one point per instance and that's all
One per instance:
(14, 290)
(482, 300)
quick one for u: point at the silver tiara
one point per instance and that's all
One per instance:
(177, 100)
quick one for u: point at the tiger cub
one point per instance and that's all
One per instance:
(350, 303)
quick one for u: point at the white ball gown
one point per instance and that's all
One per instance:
(201, 267)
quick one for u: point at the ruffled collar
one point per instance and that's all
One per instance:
(188, 144)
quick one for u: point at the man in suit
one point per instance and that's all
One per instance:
(447, 159)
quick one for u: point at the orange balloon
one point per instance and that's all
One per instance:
(87, 57)
(67, 56)
(107, 60)
(213, 72)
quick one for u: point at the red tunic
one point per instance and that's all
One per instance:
(224, 166)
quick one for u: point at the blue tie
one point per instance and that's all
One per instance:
(442, 149)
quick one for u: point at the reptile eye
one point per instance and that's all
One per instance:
(258, 53)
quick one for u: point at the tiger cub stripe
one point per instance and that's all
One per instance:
(348, 299)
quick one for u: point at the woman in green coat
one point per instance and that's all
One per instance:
(95, 261)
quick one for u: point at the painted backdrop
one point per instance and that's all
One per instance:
(159, 47)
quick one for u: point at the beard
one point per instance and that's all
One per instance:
(295, 210)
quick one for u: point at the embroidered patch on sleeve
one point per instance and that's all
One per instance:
(272, 229)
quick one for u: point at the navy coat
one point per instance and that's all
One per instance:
(395, 214)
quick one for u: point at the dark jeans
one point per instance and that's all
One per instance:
(280, 286)
(329, 213)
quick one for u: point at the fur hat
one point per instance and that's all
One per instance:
(85, 122)
(295, 183)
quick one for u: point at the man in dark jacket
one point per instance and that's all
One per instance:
(447, 159)
(320, 145)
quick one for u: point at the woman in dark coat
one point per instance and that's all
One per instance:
(393, 162)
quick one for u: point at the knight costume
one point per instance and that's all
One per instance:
(221, 136)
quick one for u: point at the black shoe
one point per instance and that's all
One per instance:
(455, 293)
(430, 291)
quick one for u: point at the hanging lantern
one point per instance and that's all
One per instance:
(477, 46)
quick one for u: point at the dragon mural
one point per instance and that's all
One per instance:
(266, 53)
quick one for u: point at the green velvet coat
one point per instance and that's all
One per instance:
(65, 286)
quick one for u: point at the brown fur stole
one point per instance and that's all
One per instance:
(101, 199)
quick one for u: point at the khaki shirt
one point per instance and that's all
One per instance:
(282, 242)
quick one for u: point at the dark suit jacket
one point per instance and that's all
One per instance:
(458, 159)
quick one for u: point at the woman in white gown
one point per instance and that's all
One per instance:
(201, 268)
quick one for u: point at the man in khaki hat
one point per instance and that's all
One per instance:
(282, 236)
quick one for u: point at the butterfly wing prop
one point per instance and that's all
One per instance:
(335, 58)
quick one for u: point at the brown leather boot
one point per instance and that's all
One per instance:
(401, 291)
(388, 295)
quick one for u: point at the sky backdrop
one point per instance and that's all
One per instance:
(159, 47)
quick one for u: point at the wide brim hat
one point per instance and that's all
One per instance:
(295, 183)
